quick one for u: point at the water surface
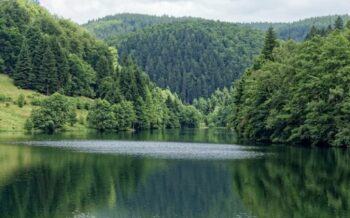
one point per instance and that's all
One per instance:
(189, 173)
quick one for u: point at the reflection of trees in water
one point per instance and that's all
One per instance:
(296, 183)
(66, 182)
(55, 183)
(185, 189)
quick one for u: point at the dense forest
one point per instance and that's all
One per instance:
(298, 92)
(195, 57)
(298, 30)
(120, 24)
(47, 54)
(192, 58)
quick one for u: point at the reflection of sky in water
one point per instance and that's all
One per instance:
(167, 150)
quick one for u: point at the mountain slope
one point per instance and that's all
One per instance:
(193, 57)
(47, 54)
(111, 26)
(300, 96)
(299, 29)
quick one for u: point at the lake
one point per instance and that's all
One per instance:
(175, 173)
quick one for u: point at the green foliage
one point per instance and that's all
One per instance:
(21, 100)
(124, 114)
(48, 54)
(339, 23)
(298, 30)
(55, 112)
(270, 44)
(119, 24)
(101, 116)
(300, 97)
(192, 57)
(217, 108)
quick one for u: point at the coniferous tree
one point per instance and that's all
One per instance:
(313, 32)
(270, 44)
(23, 67)
(62, 65)
(339, 24)
(48, 72)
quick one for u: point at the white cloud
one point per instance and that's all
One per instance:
(228, 10)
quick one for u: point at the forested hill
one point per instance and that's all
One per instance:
(43, 53)
(194, 57)
(114, 25)
(298, 30)
(298, 93)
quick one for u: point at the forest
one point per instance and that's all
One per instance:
(50, 55)
(193, 58)
(166, 72)
(297, 93)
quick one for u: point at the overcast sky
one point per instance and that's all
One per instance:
(227, 10)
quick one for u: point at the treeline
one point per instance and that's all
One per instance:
(47, 54)
(120, 24)
(51, 55)
(193, 58)
(217, 108)
(299, 30)
(298, 92)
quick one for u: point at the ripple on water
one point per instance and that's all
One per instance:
(167, 150)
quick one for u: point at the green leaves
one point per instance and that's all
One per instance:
(302, 96)
(55, 112)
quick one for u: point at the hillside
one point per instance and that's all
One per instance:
(119, 24)
(298, 30)
(47, 54)
(300, 95)
(193, 57)
(13, 117)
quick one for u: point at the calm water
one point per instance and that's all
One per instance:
(169, 174)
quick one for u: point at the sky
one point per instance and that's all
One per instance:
(81, 11)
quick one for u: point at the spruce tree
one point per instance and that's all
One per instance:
(270, 44)
(48, 74)
(23, 67)
(34, 38)
(62, 64)
(339, 24)
(313, 32)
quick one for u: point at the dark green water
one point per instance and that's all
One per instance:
(169, 174)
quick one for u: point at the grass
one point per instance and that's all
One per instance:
(13, 118)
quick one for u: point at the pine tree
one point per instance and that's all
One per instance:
(313, 32)
(270, 44)
(339, 24)
(34, 44)
(37, 58)
(62, 65)
(23, 67)
(48, 74)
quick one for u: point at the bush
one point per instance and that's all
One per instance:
(21, 101)
(55, 112)
(4, 98)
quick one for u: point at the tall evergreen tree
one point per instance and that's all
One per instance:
(313, 32)
(48, 72)
(23, 67)
(339, 23)
(270, 44)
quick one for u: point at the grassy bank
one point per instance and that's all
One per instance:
(13, 117)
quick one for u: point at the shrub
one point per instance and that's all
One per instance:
(55, 112)
(21, 101)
